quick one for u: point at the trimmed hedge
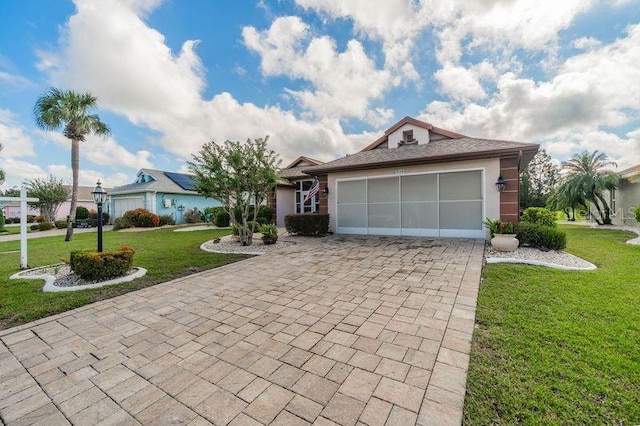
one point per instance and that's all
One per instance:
(539, 215)
(34, 227)
(61, 224)
(122, 223)
(142, 218)
(94, 266)
(540, 236)
(222, 219)
(307, 224)
(45, 226)
(167, 219)
(82, 213)
(636, 213)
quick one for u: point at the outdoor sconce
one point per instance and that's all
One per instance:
(325, 191)
(501, 184)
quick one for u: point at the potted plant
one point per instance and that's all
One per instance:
(503, 235)
(269, 234)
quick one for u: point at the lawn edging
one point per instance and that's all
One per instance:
(49, 287)
(540, 263)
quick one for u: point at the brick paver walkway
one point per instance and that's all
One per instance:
(351, 330)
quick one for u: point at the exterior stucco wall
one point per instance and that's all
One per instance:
(627, 198)
(63, 211)
(285, 203)
(491, 173)
(177, 200)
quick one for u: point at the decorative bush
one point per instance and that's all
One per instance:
(307, 224)
(270, 230)
(2, 221)
(13, 220)
(222, 219)
(266, 212)
(93, 215)
(8, 220)
(540, 236)
(496, 226)
(82, 213)
(61, 224)
(167, 219)
(539, 215)
(94, 266)
(192, 216)
(34, 227)
(122, 223)
(45, 226)
(636, 212)
(142, 218)
(38, 219)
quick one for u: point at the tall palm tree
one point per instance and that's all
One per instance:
(1, 171)
(70, 110)
(588, 174)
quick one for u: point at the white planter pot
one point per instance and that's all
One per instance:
(505, 242)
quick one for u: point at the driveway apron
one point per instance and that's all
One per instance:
(340, 330)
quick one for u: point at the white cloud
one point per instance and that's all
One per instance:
(128, 66)
(344, 83)
(13, 137)
(585, 43)
(89, 177)
(460, 83)
(17, 171)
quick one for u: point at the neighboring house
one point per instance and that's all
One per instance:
(12, 209)
(624, 200)
(163, 193)
(415, 180)
(85, 199)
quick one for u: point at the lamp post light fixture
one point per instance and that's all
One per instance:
(99, 197)
(501, 184)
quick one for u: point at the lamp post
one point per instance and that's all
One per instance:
(99, 196)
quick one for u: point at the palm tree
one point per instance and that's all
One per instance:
(588, 175)
(58, 108)
(1, 171)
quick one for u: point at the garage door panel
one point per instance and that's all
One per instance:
(461, 215)
(352, 215)
(461, 186)
(420, 215)
(419, 188)
(384, 215)
(383, 190)
(354, 191)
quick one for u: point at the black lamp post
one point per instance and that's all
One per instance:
(100, 197)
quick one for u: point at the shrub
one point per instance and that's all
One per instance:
(142, 218)
(7, 220)
(31, 218)
(122, 223)
(307, 224)
(2, 221)
(539, 215)
(34, 227)
(222, 219)
(93, 215)
(14, 220)
(269, 230)
(61, 224)
(266, 212)
(540, 236)
(82, 213)
(192, 216)
(93, 266)
(167, 219)
(636, 213)
(496, 226)
(45, 226)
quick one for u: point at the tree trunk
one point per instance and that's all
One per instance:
(607, 212)
(75, 166)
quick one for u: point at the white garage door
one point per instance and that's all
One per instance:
(122, 205)
(431, 205)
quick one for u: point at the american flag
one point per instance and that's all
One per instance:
(313, 191)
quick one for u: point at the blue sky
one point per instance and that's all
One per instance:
(322, 78)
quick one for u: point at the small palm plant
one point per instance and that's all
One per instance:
(269, 234)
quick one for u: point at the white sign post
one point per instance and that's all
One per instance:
(23, 223)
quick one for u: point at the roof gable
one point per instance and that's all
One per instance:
(149, 180)
(303, 161)
(441, 133)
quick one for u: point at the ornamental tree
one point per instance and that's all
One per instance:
(51, 193)
(239, 175)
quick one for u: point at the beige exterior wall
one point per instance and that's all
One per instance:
(490, 167)
(285, 203)
(627, 198)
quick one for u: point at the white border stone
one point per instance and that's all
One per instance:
(50, 279)
(591, 266)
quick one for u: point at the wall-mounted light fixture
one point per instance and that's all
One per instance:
(501, 184)
(325, 191)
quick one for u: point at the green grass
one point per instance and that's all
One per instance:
(559, 347)
(10, 230)
(164, 253)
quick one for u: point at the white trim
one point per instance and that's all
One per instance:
(445, 233)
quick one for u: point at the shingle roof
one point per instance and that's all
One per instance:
(631, 171)
(463, 148)
(84, 192)
(294, 172)
(162, 183)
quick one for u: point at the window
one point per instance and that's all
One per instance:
(407, 137)
(312, 205)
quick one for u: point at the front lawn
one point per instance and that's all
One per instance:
(558, 347)
(164, 253)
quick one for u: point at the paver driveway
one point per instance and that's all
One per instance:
(341, 329)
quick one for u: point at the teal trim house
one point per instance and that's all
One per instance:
(163, 193)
